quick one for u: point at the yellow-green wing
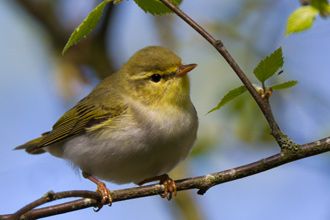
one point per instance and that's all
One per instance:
(76, 120)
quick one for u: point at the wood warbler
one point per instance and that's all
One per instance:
(135, 126)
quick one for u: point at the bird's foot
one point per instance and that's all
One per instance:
(167, 182)
(101, 187)
(169, 187)
(106, 196)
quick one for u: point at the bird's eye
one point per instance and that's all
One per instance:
(156, 78)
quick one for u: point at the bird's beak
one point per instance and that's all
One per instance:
(184, 69)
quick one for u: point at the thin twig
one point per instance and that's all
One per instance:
(219, 46)
(51, 196)
(202, 183)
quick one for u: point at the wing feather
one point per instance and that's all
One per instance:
(76, 120)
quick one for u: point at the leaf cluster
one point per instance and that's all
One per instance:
(265, 70)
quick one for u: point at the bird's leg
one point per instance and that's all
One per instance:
(167, 182)
(106, 196)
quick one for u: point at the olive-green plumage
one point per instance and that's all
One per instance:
(137, 123)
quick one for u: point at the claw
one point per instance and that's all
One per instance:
(106, 196)
(167, 182)
(101, 187)
(169, 188)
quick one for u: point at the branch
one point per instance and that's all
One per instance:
(219, 46)
(202, 183)
(51, 196)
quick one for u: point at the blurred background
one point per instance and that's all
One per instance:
(38, 84)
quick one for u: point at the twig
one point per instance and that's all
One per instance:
(51, 196)
(203, 183)
(219, 46)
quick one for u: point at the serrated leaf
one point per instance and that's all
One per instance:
(232, 94)
(301, 19)
(285, 85)
(86, 26)
(268, 66)
(156, 6)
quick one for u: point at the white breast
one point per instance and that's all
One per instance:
(135, 148)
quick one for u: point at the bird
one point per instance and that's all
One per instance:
(134, 127)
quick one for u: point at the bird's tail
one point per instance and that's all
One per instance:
(32, 146)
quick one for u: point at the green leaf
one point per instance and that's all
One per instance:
(268, 66)
(322, 6)
(285, 85)
(86, 26)
(156, 6)
(301, 19)
(319, 4)
(232, 94)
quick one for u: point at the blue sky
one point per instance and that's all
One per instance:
(30, 106)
